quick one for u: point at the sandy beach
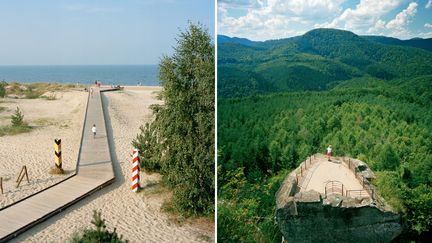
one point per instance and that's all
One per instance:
(137, 217)
(61, 118)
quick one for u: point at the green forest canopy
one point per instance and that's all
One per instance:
(382, 120)
(317, 60)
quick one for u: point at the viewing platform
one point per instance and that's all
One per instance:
(345, 176)
(334, 200)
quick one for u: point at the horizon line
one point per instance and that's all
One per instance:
(79, 64)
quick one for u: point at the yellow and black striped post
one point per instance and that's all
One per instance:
(57, 152)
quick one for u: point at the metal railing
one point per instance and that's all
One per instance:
(334, 187)
(368, 189)
(299, 173)
(360, 193)
(337, 187)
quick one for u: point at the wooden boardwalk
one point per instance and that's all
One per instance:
(94, 171)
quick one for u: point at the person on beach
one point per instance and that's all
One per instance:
(94, 130)
(329, 152)
(91, 92)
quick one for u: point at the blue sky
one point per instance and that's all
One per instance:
(275, 19)
(63, 32)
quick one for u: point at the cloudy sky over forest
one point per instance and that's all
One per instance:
(274, 19)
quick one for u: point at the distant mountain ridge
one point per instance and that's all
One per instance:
(423, 43)
(318, 60)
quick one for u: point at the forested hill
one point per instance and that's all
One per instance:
(318, 60)
(415, 42)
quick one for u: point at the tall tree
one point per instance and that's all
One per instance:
(183, 129)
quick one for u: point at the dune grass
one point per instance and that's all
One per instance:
(13, 130)
(36, 90)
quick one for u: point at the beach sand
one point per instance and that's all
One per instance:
(61, 118)
(136, 216)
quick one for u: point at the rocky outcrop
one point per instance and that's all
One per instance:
(309, 216)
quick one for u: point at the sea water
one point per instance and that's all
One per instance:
(83, 74)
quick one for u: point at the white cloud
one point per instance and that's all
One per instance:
(425, 34)
(428, 4)
(427, 25)
(272, 19)
(402, 34)
(363, 16)
(269, 19)
(311, 8)
(403, 18)
(377, 28)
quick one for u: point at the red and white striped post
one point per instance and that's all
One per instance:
(135, 170)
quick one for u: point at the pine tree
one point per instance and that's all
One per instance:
(17, 118)
(100, 234)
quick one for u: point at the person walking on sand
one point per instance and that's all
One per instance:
(94, 130)
(329, 152)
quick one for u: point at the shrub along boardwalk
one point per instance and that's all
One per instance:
(94, 171)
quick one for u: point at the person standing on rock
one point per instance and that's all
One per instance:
(329, 152)
(94, 130)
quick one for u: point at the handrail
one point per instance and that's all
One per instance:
(360, 193)
(366, 185)
(303, 167)
(334, 187)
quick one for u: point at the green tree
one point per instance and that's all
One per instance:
(17, 118)
(100, 234)
(149, 148)
(419, 202)
(387, 159)
(184, 124)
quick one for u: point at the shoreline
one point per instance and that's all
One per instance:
(83, 74)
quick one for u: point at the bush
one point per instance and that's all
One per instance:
(2, 89)
(419, 208)
(100, 234)
(31, 93)
(17, 118)
(13, 130)
(148, 147)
